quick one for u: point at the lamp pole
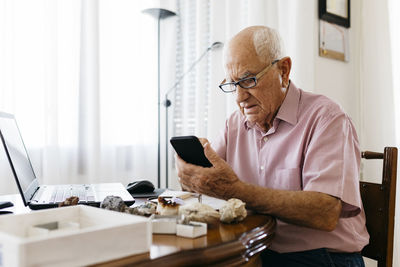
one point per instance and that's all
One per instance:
(159, 14)
(167, 102)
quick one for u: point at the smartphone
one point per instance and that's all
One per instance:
(190, 150)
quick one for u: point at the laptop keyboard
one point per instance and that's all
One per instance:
(61, 193)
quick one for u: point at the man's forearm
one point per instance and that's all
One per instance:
(306, 208)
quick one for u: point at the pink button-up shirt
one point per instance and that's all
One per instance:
(311, 146)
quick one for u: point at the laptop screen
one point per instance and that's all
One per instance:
(17, 155)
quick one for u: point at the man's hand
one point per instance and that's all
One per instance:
(218, 181)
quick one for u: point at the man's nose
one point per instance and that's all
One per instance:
(241, 94)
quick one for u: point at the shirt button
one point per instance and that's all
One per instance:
(265, 139)
(262, 168)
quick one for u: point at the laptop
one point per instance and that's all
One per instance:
(38, 196)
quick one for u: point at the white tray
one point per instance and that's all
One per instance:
(87, 235)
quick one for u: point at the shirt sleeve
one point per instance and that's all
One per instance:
(332, 161)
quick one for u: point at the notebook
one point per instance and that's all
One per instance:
(38, 196)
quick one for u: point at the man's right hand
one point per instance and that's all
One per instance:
(218, 181)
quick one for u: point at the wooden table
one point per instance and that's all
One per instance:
(224, 244)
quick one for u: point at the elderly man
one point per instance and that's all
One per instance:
(288, 153)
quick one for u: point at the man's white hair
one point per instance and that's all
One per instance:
(268, 44)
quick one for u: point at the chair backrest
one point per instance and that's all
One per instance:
(379, 205)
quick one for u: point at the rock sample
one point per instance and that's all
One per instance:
(199, 212)
(233, 211)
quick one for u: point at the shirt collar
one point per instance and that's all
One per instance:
(288, 110)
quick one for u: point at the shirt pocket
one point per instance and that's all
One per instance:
(288, 179)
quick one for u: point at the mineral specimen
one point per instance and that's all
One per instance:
(233, 211)
(199, 212)
(114, 203)
(71, 201)
(167, 206)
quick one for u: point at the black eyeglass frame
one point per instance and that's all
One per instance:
(240, 82)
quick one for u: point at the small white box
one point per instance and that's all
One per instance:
(71, 236)
(191, 230)
(163, 224)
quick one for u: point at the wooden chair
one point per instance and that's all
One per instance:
(379, 205)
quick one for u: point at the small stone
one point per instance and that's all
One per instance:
(146, 209)
(71, 201)
(114, 203)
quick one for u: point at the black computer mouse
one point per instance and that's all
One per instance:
(142, 186)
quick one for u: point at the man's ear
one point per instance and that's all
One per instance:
(285, 65)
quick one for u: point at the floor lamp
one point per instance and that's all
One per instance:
(167, 102)
(159, 14)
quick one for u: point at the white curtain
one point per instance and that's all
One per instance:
(189, 114)
(79, 75)
(379, 87)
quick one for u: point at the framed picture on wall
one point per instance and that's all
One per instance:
(333, 41)
(335, 11)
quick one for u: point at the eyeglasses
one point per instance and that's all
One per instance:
(245, 83)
